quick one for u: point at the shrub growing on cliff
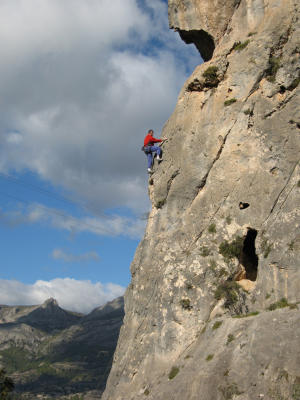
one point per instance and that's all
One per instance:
(230, 391)
(274, 65)
(211, 76)
(174, 371)
(251, 314)
(248, 112)
(229, 102)
(238, 46)
(230, 338)
(217, 325)
(228, 291)
(212, 228)
(222, 272)
(186, 304)
(294, 84)
(204, 251)
(232, 249)
(279, 304)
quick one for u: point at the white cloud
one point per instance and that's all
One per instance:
(112, 225)
(59, 254)
(81, 83)
(71, 294)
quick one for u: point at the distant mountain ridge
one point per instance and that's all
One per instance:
(53, 353)
(47, 317)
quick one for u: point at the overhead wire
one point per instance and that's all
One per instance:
(52, 195)
(39, 189)
(50, 211)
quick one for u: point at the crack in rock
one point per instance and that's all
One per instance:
(279, 107)
(280, 193)
(202, 183)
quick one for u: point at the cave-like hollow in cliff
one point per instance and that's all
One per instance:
(201, 39)
(249, 258)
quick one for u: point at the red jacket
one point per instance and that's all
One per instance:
(149, 140)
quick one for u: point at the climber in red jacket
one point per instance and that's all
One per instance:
(149, 149)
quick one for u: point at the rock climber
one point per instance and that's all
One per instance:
(149, 149)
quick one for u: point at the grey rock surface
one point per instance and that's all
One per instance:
(223, 237)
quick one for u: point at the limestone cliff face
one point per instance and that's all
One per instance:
(223, 236)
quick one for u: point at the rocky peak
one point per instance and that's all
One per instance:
(49, 316)
(50, 303)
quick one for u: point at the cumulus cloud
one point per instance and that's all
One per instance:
(112, 225)
(59, 254)
(71, 294)
(81, 82)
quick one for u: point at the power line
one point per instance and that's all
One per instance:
(50, 211)
(50, 194)
(39, 189)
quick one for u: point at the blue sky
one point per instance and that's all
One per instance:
(82, 82)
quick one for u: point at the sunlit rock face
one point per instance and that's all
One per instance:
(223, 236)
(201, 22)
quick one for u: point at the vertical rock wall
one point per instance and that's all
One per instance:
(223, 237)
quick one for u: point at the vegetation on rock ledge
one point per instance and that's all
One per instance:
(229, 102)
(211, 76)
(228, 291)
(232, 249)
(217, 325)
(274, 65)
(174, 371)
(186, 304)
(239, 46)
(281, 304)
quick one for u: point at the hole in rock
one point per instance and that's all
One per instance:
(201, 39)
(248, 258)
(282, 89)
(242, 205)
